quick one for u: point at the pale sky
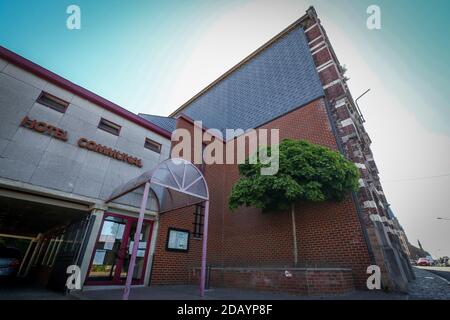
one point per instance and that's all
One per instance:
(404, 146)
(152, 56)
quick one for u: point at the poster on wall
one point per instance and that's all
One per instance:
(108, 245)
(142, 246)
(177, 240)
(140, 254)
(120, 230)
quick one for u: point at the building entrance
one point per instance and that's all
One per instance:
(112, 252)
(47, 234)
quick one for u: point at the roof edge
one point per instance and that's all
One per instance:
(52, 77)
(154, 115)
(204, 129)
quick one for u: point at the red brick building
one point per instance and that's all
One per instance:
(336, 241)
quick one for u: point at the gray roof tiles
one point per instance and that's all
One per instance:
(279, 79)
(166, 123)
(276, 81)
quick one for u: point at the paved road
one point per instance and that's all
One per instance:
(444, 272)
(428, 286)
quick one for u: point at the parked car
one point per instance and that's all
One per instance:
(423, 262)
(10, 259)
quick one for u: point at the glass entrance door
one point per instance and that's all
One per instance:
(113, 250)
(141, 257)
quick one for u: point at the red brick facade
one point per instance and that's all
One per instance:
(299, 281)
(170, 267)
(328, 234)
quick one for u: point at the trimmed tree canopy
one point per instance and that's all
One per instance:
(307, 172)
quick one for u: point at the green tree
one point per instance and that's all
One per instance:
(307, 172)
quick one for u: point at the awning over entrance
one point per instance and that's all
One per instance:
(174, 183)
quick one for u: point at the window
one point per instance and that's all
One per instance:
(52, 102)
(55, 251)
(198, 222)
(109, 126)
(40, 252)
(152, 145)
(48, 252)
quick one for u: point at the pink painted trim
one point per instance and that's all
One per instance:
(204, 251)
(43, 73)
(137, 234)
(143, 206)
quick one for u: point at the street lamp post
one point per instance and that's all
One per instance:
(357, 105)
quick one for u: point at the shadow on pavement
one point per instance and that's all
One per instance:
(18, 289)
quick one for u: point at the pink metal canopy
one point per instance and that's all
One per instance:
(174, 183)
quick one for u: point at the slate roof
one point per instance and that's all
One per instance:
(277, 80)
(166, 123)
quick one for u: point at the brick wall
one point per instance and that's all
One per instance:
(328, 234)
(299, 281)
(170, 267)
(173, 267)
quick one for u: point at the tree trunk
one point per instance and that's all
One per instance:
(294, 235)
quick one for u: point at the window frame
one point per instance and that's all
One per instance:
(175, 249)
(198, 223)
(150, 142)
(104, 124)
(44, 94)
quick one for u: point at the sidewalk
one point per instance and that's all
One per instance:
(184, 292)
(427, 286)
